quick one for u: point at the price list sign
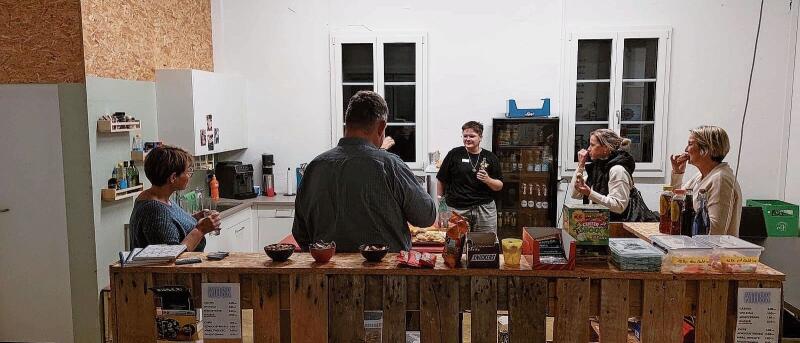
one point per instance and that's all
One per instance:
(758, 315)
(222, 310)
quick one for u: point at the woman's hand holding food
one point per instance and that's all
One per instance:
(679, 163)
(582, 188)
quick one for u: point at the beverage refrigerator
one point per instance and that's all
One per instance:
(528, 152)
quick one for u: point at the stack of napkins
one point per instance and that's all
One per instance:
(634, 254)
(151, 254)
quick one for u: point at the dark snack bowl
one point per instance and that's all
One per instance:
(279, 252)
(322, 252)
(373, 252)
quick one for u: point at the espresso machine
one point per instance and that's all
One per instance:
(267, 177)
(235, 180)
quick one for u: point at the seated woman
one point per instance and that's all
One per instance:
(155, 219)
(707, 147)
(610, 181)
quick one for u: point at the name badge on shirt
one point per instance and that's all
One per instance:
(466, 160)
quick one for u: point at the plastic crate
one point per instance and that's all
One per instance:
(780, 217)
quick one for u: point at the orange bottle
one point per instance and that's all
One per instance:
(213, 186)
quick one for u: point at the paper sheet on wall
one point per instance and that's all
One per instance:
(758, 315)
(222, 312)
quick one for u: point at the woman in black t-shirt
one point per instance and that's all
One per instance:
(468, 177)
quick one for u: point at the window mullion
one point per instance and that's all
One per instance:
(379, 67)
(616, 83)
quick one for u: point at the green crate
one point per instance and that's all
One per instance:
(780, 217)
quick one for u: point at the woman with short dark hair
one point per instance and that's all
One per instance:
(468, 178)
(155, 219)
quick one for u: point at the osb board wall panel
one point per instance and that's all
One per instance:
(129, 39)
(40, 41)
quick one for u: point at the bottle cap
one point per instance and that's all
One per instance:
(679, 191)
(667, 188)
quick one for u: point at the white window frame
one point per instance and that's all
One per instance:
(643, 169)
(377, 39)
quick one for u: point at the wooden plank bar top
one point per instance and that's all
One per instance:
(303, 301)
(353, 263)
(642, 230)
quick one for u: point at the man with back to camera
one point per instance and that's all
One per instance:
(357, 193)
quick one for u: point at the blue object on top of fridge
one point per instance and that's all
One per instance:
(514, 112)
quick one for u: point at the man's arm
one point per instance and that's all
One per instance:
(417, 206)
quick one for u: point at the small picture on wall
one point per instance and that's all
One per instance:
(209, 124)
(202, 137)
(216, 135)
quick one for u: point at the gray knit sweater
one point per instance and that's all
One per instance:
(154, 222)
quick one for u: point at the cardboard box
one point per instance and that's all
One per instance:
(483, 250)
(588, 224)
(530, 247)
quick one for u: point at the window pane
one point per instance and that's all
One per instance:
(638, 101)
(641, 136)
(348, 92)
(591, 101)
(399, 62)
(405, 141)
(594, 59)
(582, 132)
(401, 103)
(357, 62)
(641, 57)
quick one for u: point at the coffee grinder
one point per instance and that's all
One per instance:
(267, 178)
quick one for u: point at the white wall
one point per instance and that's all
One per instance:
(106, 96)
(480, 54)
(793, 154)
(34, 259)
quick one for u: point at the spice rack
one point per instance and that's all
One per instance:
(138, 156)
(109, 194)
(107, 126)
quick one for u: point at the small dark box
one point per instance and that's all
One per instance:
(482, 250)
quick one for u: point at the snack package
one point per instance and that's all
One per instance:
(416, 259)
(454, 240)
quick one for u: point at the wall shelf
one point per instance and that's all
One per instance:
(138, 156)
(108, 194)
(107, 126)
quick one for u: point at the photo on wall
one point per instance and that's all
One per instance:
(210, 132)
(202, 137)
(216, 135)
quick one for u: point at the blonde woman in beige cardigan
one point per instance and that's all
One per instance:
(707, 147)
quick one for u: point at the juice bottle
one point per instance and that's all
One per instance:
(676, 211)
(664, 202)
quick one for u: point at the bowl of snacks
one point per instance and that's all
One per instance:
(279, 252)
(322, 251)
(373, 252)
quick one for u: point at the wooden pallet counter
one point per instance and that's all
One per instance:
(326, 302)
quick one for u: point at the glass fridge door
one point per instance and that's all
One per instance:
(527, 152)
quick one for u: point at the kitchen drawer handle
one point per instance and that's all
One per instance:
(284, 214)
(238, 230)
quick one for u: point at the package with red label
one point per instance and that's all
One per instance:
(416, 259)
(454, 240)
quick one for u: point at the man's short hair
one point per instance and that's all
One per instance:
(161, 162)
(475, 126)
(364, 109)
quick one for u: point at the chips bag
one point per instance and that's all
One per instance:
(416, 259)
(457, 228)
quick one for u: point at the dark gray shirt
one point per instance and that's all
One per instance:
(357, 194)
(154, 222)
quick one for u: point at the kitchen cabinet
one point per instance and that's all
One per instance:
(274, 223)
(236, 234)
(202, 112)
